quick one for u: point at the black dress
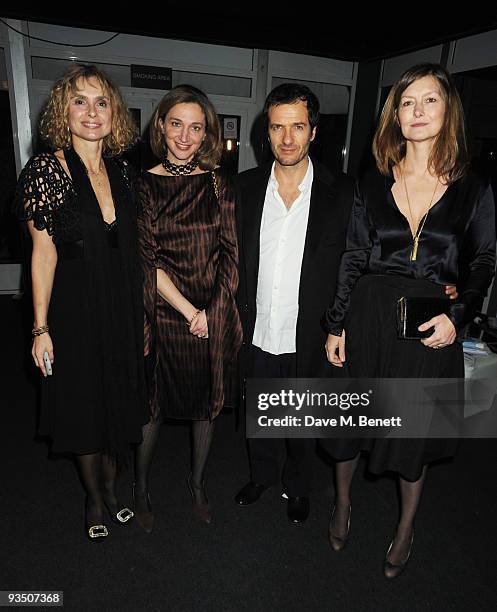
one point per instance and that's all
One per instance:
(457, 247)
(95, 400)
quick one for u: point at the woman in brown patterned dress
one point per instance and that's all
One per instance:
(189, 253)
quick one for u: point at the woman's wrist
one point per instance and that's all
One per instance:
(191, 316)
(38, 330)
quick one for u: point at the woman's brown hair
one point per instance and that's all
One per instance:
(54, 123)
(210, 150)
(449, 155)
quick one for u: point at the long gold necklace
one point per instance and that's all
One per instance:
(417, 234)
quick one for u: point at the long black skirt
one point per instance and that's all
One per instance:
(373, 350)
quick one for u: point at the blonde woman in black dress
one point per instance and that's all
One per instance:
(87, 290)
(413, 218)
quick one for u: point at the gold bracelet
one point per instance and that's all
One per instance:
(193, 317)
(38, 331)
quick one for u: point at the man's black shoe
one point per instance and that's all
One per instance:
(250, 493)
(297, 509)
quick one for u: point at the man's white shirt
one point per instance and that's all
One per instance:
(282, 240)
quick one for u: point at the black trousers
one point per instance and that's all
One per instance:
(268, 454)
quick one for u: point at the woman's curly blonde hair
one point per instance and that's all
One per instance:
(54, 122)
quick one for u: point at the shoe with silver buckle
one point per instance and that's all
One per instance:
(119, 517)
(97, 533)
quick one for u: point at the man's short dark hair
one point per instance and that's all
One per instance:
(290, 93)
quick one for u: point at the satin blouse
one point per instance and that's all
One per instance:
(456, 246)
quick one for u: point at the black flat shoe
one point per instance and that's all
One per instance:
(203, 510)
(338, 543)
(392, 570)
(96, 532)
(144, 518)
(119, 517)
(250, 493)
(297, 509)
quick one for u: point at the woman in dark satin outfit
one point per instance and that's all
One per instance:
(189, 253)
(413, 217)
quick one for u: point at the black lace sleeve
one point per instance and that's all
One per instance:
(41, 189)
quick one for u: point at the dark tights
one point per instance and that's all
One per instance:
(202, 432)
(144, 454)
(410, 494)
(98, 474)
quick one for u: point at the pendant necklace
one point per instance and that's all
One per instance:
(417, 235)
(96, 175)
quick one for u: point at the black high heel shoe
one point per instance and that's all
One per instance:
(144, 518)
(392, 570)
(201, 511)
(338, 543)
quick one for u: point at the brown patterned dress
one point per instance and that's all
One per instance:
(189, 232)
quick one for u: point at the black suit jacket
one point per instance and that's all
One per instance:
(330, 205)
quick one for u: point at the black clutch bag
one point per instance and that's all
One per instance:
(414, 311)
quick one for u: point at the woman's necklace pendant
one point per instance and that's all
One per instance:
(92, 174)
(414, 250)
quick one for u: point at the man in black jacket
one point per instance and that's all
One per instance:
(292, 218)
